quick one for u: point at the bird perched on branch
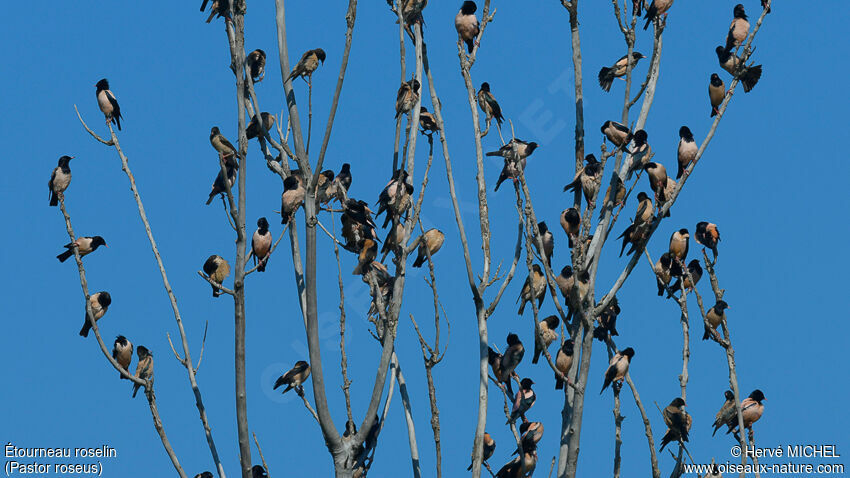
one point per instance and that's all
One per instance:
(86, 245)
(655, 10)
(608, 321)
(726, 411)
(534, 288)
(678, 422)
(291, 199)
(565, 281)
(219, 185)
(694, 271)
(432, 240)
(663, 272)
(254, 130)
(108, 104)
(205, 474)
(635, 235)
(530, 435)
(394, 239)
(618, 367)
(368, 253)
(515, 467)
(308, 63)
(217, 269)
(738, 29)
(357, 225)
(618, 69)
(489, 445)
(408, 96)
(748, 75)
(679, 244)
(324, 190)
(587, 178)
(144, 368)
(619, 195)
(256, 63)
(257, 471)
(707, 235)
(503, 365)
(751, 410)
(395, 198)
(545, 336)
(548, 241)
(716, 93)
(657, 175)
(221, 8)
(122, 352)
(571, 223)
(715, 316)
(687, 151)
(563, 361)
(616, 133)
(226, 151)
(427, 121)
(466, 24)
(514, 160)
(645, 209)
(99, 303)
(641, 152)
(489, 105)
(523, 400)
(294, 378)
(341, 183)
(261, 244)
(60, 179)
(411, 10)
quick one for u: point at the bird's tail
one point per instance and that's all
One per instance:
(84, 332)
(420, 259)
(713, 111)
(707, 334)
(65, 255)
(750, 77)
(212, 195)
(521, 307)
(117, 120)
(216, 291)
(470, 44)
(537, 352)
(559, 384)
(288, 388)
(136, 385)
(493, 153)
(54, 199)
(606, 78)
(470, 467)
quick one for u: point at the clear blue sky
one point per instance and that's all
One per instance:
(772, 180)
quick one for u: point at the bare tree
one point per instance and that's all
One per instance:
(581, 310)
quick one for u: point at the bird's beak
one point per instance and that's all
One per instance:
(105, 245)
(72, 157)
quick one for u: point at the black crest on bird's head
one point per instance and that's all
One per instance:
(345, 167)
(552, 321)
(640, 137)
(628, 352)
(685, 133)
(739, 12)
(536, 268)
(263, 223)
(291, 182)
(715, 80)
(97, 241)
(142, 352)
(485, 86)
(591, 159)
(636, 55)
(567, 271)
(64, 160)
(468, 7)
(666, 260)
(530, 147)
(104, 299)
(584, 276)
(678, 402)
(328, 174)
(721, 305)
(121, 340)
(722, 54)
(103, 84)
(543, 227)
(683, 231)
(757, 395)
(423, 109)
(513, 339)
(414, 84)
(642, 196)
(320, 54)
(567, 347)
(729, 395)
(526, 383)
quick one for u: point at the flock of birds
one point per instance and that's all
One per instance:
(359, 230)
